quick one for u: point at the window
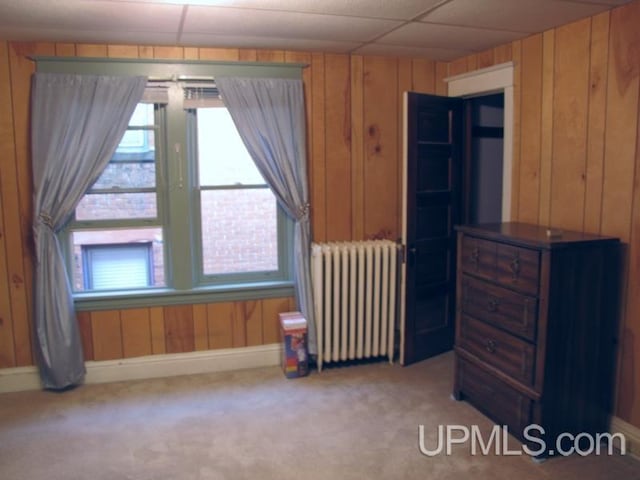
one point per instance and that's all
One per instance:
(181, 207)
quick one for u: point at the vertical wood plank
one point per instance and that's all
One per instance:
(406, 83)
(178, 325)
(247, 55)
(106, 334)
(191, 53)
(253, 320)
(220, 317)
(230, 54)
(239, 336)
(156, 320)
(571, 95)
(485, 59)
(515, 52)
(546, 129)
(458, 67)
(145, 51)
(169, 53)
(530, 123)
(200, 327)
(86, 334)
(357, 147)
(423, 76)
(91, 50)
(270, 55)
(381, 148)
(504, 53)
(136, 332)
(596, 122)
(442, 71)
(337, 147)
(271, 307)
(472, 62)
(65, 50)
(122, 51)
(318, 145)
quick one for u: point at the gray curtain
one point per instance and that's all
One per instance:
(269, 115)
(77, 122)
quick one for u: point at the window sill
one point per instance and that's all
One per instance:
(167, 296)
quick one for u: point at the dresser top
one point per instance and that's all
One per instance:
(529, 235)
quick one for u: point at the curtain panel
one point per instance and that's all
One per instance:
(269, 115)
(77, 122)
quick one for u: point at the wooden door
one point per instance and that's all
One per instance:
(432, 206)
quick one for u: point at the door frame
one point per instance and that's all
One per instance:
(495, 79)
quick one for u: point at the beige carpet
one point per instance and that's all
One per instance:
(358, 422)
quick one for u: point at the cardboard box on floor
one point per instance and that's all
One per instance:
(295, 358)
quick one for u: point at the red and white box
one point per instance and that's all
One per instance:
(295, 357)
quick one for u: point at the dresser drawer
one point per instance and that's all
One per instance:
(518, 268)
(498, 306)
(509, 354)
(478, 257)
(495, 398)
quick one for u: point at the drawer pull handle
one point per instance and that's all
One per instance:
(492, 305)
(490, 346)
(515, 267)
(475, 257)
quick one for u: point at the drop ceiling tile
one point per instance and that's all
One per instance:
(440, 54)
(429, 35)
(87, 36)
(513, 15)
(94, 15)
(275, 43)
(256, 23)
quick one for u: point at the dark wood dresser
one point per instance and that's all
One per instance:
(536, 323)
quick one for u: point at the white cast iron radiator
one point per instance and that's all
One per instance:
(354, 289)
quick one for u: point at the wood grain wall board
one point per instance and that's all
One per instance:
(515, 51)
(337, 107)
(530, 122)
(318, 150)
(220, 317)
(156, 321)
(191, 53)
(472, 62)
(91, 50)
(598, 76)
(442, 72)
(405, 84)
(247, 55)
(230, 54)
(503, 53)
(458, 67)
(381, 167)
(136, 332)
(357, 147)
(145, 51)
(200, 327)
(168, 53)
(546, 129)
(270, 56)
(178, 327)
(621, 121)
(86, 334)
(253, 321)
(423, 76)
(570, 113)
(65, 50)
(122, 51)
(271, 307)
(239, 335)
(106, 333)
(7, 158)
(485, 58)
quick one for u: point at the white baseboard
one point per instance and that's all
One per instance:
(153, 366)
(631, 434)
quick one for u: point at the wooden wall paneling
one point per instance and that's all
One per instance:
(65, 50)
(504, 53)
(357, 147)
(472, 62)
(239, 327)
(7, 159)
(485, 59)
(270, 56)
(458, 67)
(515, 52)
(178, 325)
(318, 145)
(230, 54)
(442, 72)
(570, 112)
(530, 125)
(271, 307)
(247, 55)
(596, 122)
(200, 327)
(423, 76)
(122, 51)
(546, 128)
(145, 51)
(405, 84)
(191, 53)
(168, 52)
(91, 50)
(621, 120)
(337, 107)
(220, 317)
(158, 339)
(86, 334)
(253, 321)
(106, 333)
(381, 168)
(18, 172)
(136, 332)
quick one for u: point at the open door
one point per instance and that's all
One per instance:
(433, 154)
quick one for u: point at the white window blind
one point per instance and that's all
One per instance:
(109, 267)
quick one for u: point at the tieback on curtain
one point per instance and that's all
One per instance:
(46, 219)
(303, 212)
